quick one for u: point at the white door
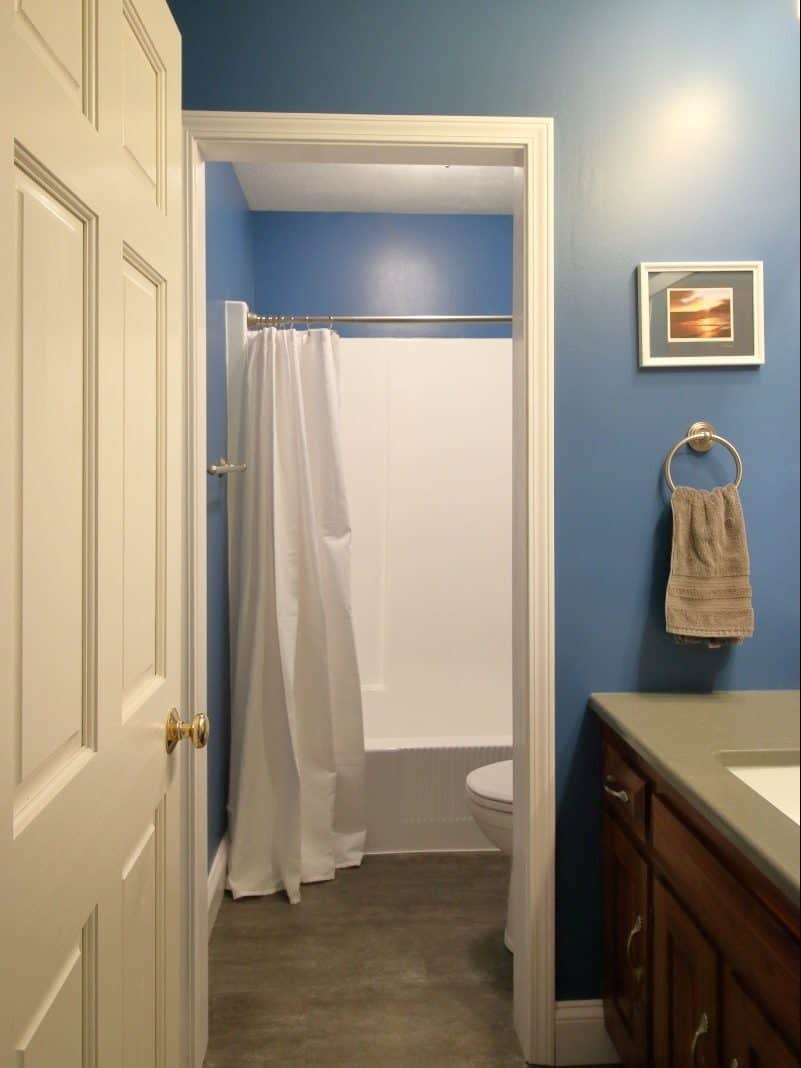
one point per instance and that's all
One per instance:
(91, 535)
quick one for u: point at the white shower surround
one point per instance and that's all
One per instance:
(415, 789)
(427, 452)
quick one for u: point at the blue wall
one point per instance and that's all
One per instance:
(229, 276)
(677, 138)
(328, 263)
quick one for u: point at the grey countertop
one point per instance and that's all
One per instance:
(679, 735)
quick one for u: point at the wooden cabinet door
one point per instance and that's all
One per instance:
(685, 988)
(749, 1039)
(625, 945)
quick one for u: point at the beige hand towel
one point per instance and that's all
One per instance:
(709, 591)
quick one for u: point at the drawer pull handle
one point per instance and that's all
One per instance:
(636, 929)
(701, 1030)
(619, 795)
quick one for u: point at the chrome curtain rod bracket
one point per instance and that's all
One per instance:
(223, 467)
(256, 322)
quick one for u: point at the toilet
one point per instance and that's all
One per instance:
(490, 797)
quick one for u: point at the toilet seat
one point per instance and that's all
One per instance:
(492, 787)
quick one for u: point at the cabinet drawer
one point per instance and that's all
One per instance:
(625, 791)
(745, 933)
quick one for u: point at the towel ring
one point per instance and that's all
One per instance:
(701, 437)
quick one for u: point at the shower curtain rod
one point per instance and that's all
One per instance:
(257, 321)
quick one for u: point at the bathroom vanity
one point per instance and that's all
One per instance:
(701, 878)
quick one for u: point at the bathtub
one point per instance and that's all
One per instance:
(416, 794)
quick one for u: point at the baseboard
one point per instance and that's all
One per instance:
(217, 873)
(581, 1037)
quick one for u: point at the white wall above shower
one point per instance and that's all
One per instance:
(426, 432)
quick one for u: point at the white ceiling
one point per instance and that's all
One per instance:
(386, 187)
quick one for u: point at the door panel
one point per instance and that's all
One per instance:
(143, 479)
(626, 939)
(56, 1035)
(685, 988)
(143, 104)
(749, 1039)
(64, 1028)
(143, 889)
(55, 351)
(62, 36)
(91, 542)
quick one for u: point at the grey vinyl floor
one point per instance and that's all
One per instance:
(399, 963)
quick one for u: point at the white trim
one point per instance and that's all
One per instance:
(216, 882)
(528, 144)
(581, 1036)
(665, 363)
(533, 891)
(196, 693)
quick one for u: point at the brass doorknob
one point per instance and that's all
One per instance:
(177, 730)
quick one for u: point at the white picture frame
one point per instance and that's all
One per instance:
(717, 322)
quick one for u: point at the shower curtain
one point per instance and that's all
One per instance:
(296, 798)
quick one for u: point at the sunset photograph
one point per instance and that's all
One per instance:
(700, 315)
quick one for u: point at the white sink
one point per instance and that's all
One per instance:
(771, 773)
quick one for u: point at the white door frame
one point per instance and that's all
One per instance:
(527, 143)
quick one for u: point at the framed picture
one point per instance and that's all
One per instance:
(701, 314)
